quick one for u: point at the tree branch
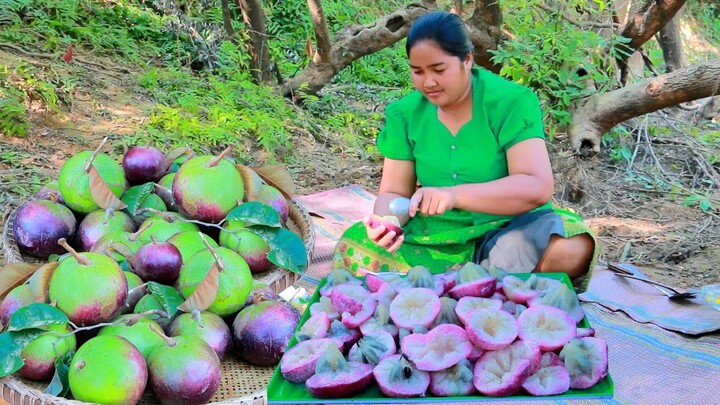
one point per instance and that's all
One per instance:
(485, 31)
(577, 23)
(642, 26)
(602, 112)
(322, 36)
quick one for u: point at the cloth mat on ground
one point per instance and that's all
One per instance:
(644, 303)
(647, 363)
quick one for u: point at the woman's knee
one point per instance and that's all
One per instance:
(567, 255)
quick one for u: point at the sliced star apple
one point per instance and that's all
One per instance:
(447, 313)
(586, 359)
(467, 304)
(420, 277)
(324, 305)
(349, 298)
(498, 373)
(560, 296)
(454, 381)
(551, 378)
(399, 378)
(491, 329)
(517, 290)
(336, 377)
(549, 327)
(415, 306)
(438, 349)
(338, 277)
(315, 327)
(380, 321)
(346, 336)
(473, 281)
(366, 312)
(373, 348)
(298, 362)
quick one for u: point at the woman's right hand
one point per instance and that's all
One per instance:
(380, 235)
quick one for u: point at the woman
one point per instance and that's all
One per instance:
(468, 149)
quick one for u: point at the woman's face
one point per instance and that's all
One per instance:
(442, 78)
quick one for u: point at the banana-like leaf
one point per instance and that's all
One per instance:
(40, 281)
(278, 177)
(14, 275)
(205, 293)
(101, 193)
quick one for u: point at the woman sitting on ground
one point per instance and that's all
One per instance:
(468, 149)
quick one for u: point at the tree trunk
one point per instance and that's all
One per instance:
(254, 18)
(457, 7)
(354, 42)
(641, 26)
(227, 21)
(602, 112)
(485, 31)
(671, 44)
(322, 36)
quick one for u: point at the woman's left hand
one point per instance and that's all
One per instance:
(432, 200)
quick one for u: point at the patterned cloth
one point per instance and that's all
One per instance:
(646, 304)
(648, 364)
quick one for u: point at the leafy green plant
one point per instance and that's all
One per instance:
(701, 201)
(13, 121)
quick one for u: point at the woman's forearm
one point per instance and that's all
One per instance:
(511, 195)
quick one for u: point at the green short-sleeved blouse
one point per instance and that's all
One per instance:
(504, 113)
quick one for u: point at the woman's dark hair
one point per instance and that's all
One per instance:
(445, 29)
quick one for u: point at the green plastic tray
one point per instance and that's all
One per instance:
(282, 391)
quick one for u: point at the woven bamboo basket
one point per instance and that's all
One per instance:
(241, 383)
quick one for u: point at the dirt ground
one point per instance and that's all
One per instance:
(673, 243)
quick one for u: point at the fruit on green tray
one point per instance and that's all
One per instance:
(89, 288)
(467, 304)
(549, 327)
(196, 185)
(528, 350)
(349, 298)
(158, 261)
(498, 373)
(94, 226)
(40, 354)
(440, 348)
(184, 370)
(39, 224)
(518, 290)
(316, 327)
(324, 305)
(273, 197)
(262, 331)
(552, 377)
(108, 370)
(473, 280)
(419, 276)
(371, 349)
(491, 329)
(74, 182)
(210, 328)
(136, 329)
(560, 296)
(454, 381)
(336, 377)
(337, 277)
(447, 313)
(586, 360)
(235, 280)
(298, 363)
(380, 321)
(142, 164)
(399, 378)
(247, 244)
(347, 336)
(415, 306)
(189, 243)
(17, 298)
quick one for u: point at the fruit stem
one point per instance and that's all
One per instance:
(82, 259)
(94, 155)
(170, 342)
(142, 229)
(218, 260)
(214, 161)
(132, 320)
(196, 314)
(154, 239)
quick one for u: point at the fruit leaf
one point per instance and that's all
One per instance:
(255, 213)
(35, 316)
(287, 250)
(59, 386)
(15, 274)
(169, 297)
(136, 195)
(101, 193)
(40, 281)
(205, 293)
(253, 182)
(278, 177)
(124, 251)
(11, 344)
(176, 153)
